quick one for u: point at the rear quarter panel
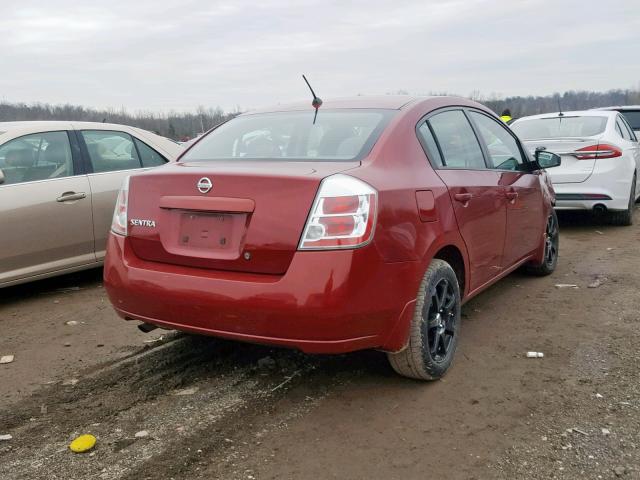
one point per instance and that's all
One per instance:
(398, 168)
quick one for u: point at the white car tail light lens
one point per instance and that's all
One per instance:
(119, 223)
(343, 215)
(602, 150)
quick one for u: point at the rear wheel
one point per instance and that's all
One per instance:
(625, 217)
(551, 248)
(435, 327)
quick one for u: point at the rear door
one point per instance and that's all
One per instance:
(110, 156)
(45, 207)
(476, 191)
(525, 216)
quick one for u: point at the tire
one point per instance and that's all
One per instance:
(551, 249)
(624, 218)
(435, 327)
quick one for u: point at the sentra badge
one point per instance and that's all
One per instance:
(142, 223)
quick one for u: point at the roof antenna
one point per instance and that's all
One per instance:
(560, 114)
(317, 101)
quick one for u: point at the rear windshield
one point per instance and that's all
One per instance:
(559, 127)
(336, 135)
(633, 117)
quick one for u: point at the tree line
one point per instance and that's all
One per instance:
(573, 100)
(185, 125)
(178, 126)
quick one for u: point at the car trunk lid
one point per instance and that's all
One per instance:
(571, 170)
(250, 220)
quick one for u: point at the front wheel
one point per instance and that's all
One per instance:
(435, 327)
(551, 248)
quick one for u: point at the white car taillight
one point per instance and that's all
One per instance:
(343, 215)
(601, 150)
(119, 223)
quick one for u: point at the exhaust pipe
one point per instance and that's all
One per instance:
(147, 327)
(599, 209)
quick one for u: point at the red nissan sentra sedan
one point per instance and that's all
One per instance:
(366, 229)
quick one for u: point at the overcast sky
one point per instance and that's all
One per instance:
(161, 55)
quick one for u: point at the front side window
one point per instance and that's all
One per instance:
(110, 151)
(504, 152)
(345, 134)
(457, 141)
(39, 156)
(148, 156)
(559, 127)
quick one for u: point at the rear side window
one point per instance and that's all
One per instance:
(336, 135)
(503, 149)
(632, 134)
(430, 143)
(110, 151)
(457, 141)
(39, 156)
(148, 156)
(624, 131)
(558, 127)
(633, 117)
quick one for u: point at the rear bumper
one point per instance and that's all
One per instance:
(327, 302)
(612, 183)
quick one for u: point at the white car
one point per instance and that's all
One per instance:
(600, 159)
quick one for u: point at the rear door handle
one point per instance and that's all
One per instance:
(71, 196)
(463, 197)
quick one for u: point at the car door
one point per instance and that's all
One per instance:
(45, 207)
(476, 193)
(521, 187)
(111, 156)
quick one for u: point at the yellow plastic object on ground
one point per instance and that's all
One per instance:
(83, 443)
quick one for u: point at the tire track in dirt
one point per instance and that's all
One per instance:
(228, 384)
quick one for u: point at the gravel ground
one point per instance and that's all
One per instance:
(217, 409)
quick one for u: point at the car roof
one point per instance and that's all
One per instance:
(9, 130)
(57, 124)
(573, 113)
(381, 102)
(620, 107)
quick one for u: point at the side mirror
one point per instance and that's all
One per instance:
(1, 177)
(547, 159)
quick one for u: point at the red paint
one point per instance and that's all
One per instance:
(319, 301)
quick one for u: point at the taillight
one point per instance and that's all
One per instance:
(602, 150)
(343, 215)
(119, 223)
